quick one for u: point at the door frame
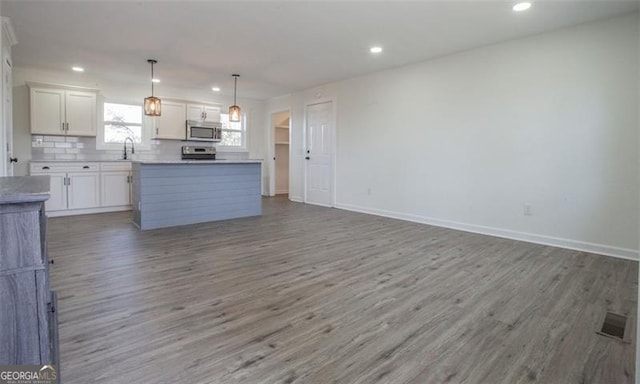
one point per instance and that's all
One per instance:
(7, 112)
(271, 153)
(321, 100)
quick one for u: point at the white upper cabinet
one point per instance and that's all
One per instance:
(172, 123)
(81, 113)
(47, 111)
(211, 114)
(56, 111)
(204, 113)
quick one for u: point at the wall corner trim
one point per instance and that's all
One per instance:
(297, 199)
(607, 250)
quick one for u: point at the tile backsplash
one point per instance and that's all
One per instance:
(84, 148)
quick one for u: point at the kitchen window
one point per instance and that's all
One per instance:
(234, 135)
(122, 121)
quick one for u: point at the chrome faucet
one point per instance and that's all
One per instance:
(133, 149)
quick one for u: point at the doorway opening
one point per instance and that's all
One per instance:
(281, 124)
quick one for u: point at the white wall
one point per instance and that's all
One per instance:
(638, 213)
(466, 140)
(122, 92)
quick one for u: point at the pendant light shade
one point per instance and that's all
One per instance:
(152, 105)
(234, 110)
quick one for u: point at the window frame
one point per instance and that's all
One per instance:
(146, 126)
(244, 136)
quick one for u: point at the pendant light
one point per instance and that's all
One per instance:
(152, 105)
(234, 110)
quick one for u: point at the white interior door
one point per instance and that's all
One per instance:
(319, 154)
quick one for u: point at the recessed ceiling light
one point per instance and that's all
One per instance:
(522, 6)
(155, 80)
(215, 89)
(78, 69)
(375, 49)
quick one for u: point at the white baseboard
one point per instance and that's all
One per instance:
(73, 212)
(297, 199)
(607, 250)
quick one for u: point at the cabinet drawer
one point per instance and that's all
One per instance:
(45, 168)
(115, 166)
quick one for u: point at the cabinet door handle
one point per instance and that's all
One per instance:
(67, 127)
(46, 168)
(85, 167)
(68, 181)
(62, 126)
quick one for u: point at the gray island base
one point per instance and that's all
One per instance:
(172, 193)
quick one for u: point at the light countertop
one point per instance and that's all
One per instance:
(23, 189)
(168, 162)
(81, 161)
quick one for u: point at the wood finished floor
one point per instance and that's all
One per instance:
(306, 294)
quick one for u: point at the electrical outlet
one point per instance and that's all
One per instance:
(528, 209)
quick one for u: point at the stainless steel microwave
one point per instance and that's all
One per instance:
(203, 131)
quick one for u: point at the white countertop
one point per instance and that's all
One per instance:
(80, 161)
(160, 162)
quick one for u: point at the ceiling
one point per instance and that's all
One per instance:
(276, 46)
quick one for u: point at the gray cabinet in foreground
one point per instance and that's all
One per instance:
(166, 194)
(28, 317)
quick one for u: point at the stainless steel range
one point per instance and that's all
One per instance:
(198, 153)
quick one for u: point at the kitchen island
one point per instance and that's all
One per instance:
(28, 319)
(181, 192)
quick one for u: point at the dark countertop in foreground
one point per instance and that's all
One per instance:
(24, 189)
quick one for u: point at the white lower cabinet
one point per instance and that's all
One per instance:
(58, 199)
(83, 190)
(116, 184)
(92, 187)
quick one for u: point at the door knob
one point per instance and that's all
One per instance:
(13, 159)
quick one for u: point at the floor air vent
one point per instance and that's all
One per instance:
(613, 326)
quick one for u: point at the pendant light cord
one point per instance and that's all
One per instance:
(235, 88)
(152, 79)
